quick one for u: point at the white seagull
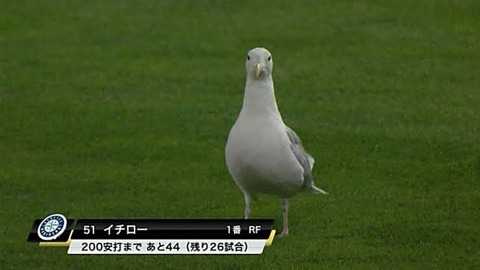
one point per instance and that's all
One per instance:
(263, 155)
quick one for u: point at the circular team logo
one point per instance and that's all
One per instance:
(52, 227)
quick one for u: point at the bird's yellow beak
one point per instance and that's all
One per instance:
(258, 70)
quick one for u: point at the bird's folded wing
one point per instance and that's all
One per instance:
(305, 160)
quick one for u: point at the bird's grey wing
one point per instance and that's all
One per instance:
(305, 160)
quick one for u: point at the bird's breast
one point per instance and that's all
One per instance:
(259, 156)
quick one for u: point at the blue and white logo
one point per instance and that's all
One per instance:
(52, 227)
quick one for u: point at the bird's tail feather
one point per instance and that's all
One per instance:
(317, 191)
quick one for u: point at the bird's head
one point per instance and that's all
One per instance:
(259, 63)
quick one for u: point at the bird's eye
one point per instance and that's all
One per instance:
(248, 57)
(269, 58)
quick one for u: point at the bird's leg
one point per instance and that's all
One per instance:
(285, 217)
(247, 206)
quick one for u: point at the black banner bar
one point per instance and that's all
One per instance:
(173, 229)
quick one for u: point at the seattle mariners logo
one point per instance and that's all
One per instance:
(52, 227)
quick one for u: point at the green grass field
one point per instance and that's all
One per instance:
(122, 109)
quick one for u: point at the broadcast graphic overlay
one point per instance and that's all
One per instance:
(53, 230)
(154, 236)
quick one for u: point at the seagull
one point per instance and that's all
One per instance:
(263, 155)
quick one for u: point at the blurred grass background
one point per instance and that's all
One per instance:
(122, 109)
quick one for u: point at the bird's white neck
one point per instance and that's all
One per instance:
(259, 98)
